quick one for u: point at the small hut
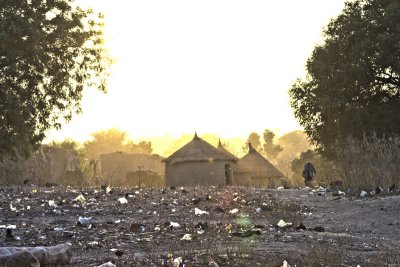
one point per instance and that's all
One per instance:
(199, 163)
(132, 169)
(263, 173)
(241, 174)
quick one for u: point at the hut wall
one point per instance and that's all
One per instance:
(115, 167)
(195, 173)
(48, 165)
(242, 178)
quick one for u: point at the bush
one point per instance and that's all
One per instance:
(370, 162)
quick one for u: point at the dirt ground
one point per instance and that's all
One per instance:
(240, 229)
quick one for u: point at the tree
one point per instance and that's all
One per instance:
(293, 143)
(254, 139)
(50, 50)
(113, 140)
(270, 150)
(67, 144)
(352, 83)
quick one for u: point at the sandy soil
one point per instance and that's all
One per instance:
(339, 230)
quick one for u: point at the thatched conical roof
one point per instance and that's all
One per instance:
(259, 166)
(223, 149)
(198, 150)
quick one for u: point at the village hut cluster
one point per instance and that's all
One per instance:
(197, 163)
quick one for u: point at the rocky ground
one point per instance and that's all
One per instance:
(233, 226)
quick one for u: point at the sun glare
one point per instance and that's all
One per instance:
(213, 66)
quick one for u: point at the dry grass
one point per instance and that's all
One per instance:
(370, 162)
(329, 255)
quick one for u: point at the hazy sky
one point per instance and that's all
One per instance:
(223, 67)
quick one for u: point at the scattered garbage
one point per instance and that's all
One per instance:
(108, 264)
(280, 188)
(258, 210)
(108, 190)
(283, 224)
(200, 212)
(233, 211)
(80, 198)
(174, 225)
(8, 226)
(123, 200)
(84, 221)
(213, 264)
(52, 203)
(93, 243)
(363, 194)
(178, 261)
(285, 264)
(187, 237)
(12, 208)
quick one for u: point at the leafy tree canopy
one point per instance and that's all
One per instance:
(352, 83)
(265, 146)
(113, 140)
(50, 50)
(271, 150)
(255, 140)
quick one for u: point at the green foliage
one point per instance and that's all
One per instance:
(352, 83)
(49, 52)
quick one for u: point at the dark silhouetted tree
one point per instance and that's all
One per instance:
(270, 150)
(352, 83)
(50, 50)
(113, 140)
(254, 139)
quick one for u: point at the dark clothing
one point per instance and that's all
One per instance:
(309, 172)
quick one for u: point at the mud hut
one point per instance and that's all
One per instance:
(48, 165)
(263, 173)
(132, 169)
(241, 174)
(199, 163)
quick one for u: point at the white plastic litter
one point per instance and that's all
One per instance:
(12, 208)
(187, 237)
(123, 200)
(80, 198)
(199, 211)
(177, 262)
(285, 264)
(108, 190)
(363, 194)
(258, 210)
(52, 203)
(8, 226)
(108, 264)
(282, 224)
(233, 211)
(174, 225)
(280, 188)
